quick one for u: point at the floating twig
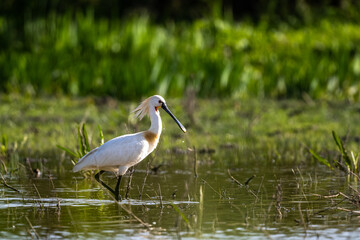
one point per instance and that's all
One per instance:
(147, 173)
(357, 192)
(250, 178)
(32, 228)
(7, 185)
(262, 180)
(173, 195)
(177, 209)
(345, 196)
(132, 170)
(348, 210)
(4, 165)
(58, 206)
(195, 163)
(234, 179)
(326, 196)
(278, 198)
(241, 185)
(161, 202)
(147, 225)
(329, 208)
(220, 195)
(38, 193)
(52, 182)
(302, 217)
(201, 208)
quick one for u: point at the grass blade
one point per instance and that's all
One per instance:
(81, 146)
(338, 142)
(3, 145)
(182, 215)
(342, 149)
(4, 140)
(85, 139)
(320, 159)
(102, 140)
(68, 151)
(355, 160)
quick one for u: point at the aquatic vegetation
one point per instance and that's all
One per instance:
(208, 173)
(3, 151)
(266, 131)
(83, 143)
(348, 162)
(3, 146)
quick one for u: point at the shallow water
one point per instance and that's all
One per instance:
(61, 204)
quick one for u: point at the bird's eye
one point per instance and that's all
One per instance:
(160, 101)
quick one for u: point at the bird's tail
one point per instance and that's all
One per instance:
(82, 163)
(77, 168)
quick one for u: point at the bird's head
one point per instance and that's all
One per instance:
(153, 103)
(156, 102)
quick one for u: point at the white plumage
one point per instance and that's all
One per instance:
(122, 152)
(116, 155)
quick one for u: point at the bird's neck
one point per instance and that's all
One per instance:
(156, 124)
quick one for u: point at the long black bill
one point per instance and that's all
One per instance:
(172, 115)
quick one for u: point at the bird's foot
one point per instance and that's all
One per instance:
(118, 197)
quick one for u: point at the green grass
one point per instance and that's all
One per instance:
(126, 59)
(348, 162)
(3, 146)
(83, 143)
(268, 132)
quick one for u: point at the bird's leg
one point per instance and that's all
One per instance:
(117, 192)
(97, 177)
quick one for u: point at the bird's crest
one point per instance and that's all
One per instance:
(142, 109)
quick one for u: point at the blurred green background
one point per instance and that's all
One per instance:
(131, 49)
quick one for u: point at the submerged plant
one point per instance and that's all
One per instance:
(348, 163)
(83, 143)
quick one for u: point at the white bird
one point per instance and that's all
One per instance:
(120, 153)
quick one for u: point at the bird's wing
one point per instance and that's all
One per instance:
(125, 150)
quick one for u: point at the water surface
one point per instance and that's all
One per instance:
(286, 201)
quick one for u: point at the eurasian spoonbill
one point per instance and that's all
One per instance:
(120, 153)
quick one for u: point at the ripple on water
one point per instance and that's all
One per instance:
(14, 202)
